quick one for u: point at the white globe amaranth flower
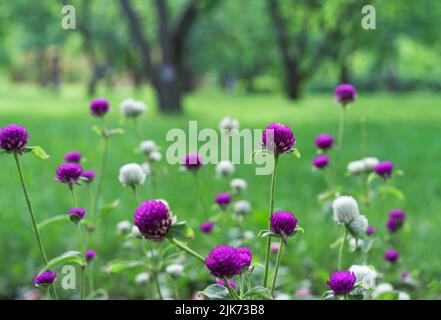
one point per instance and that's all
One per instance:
(345, 209)
(123, 226)
(131, 175)
(225, 168)
(147, 147)
(355, 244)
(403, 295)
(248, 234)
(238, 185)
(359, 224)
(366, 275)
(382, 288)
(242, 207)
(142, 278)
(282, 296)
(370, 163)
(229, 125)
(155, 156)
(356, 167)
(131, 108)
(135, 232)
(147, 168)
(175, 270)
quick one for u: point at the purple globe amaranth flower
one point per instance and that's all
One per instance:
(76, 214)
(68, 173)
(341, 282)
(89, 176)
(192, 161)
(278, 138)
(13, 138)
(391, 255)
(226, 261)
(72, 157)
(370, 230)
(345, 93)
(384, 169)
(320, 162)
(223, 199)
(324, 141)
(222, 283)
(283, 222)
(99, 107)
(90, 255)
(45, 279)
(396, 220)
(153, 219)
(206, 226)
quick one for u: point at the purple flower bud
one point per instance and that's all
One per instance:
(341, 282)
(153, 220)
(68, 173)
(370, 230)
(192, 162)
(396, 220)
(345, 93)
(89, 176)
(13, 138)
(90, 255)
(223, 199)
(283, 222)
(324, 141)
(226, 261)
(72, 157)
(45, 279)
(391, 255)
(222, 283)
(320, 162)
(206, 226)
(384, 169)
(76, 214)
(278, 138)
(99, 107)
(405, 275)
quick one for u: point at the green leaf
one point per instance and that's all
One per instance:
(259, 292)
(296, 153)
(38, 152)
(299, 229)
(215, 292)
(99, 294)
(99, 131)
(104, 212)
(392, 295)
(268, 233)
(118, 266)
(371, 177)
(51, 220)
(67, 257)
(329, 295)
(112, 132)
(181, 231)
(389, 190)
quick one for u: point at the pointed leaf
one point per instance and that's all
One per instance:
(181, 231)
(104, 212)
(215, 292)
(51, 220)
(296, 153)
(67, 257)
(259, 292)
(118, 266)
(38, 152)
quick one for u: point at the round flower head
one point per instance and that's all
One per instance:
(246, 256)
(370, 230)
(324, 141)
(90, 255)
(371, 163)
(345, 93)
(192, 162)
(76, 214)
(45, 279)
(230, 282)
(242, 207)
(131, 175)
(278, 138)
(384, 169)
(238, 185)
(206, 227)
(403, 295)
(229, 125)
(99, 107)
(68, 173)
(142, 278)
(123, 227)
(147, 147)
(224, 168)
(155, 156)
(283, 222)
(382, 288)
(72, 156)
(396, 220)
(13, 138)
(356, 167)
(226, 261)
(175, 270)
(341, 282)
(147, 168)
(89, 176)
(391, 255)
(153, 219)
(359, 224)
(131, 108)
(345, 209)
(320, 162)
(364, 274)
(223, 199)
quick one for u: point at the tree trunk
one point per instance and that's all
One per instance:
(344, 73)
(169, 96)
(293, 81)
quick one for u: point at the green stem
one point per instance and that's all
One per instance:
(199, 192)
(101, 174)
(183, 247)
(363, 136)
(341, 129)
(136, 195)
(72, 192)
(138, 129)
(276, 270)
(83, 269)
(153, 179)
(231, 290)
(340, 251)
(268, 242)
(158, 287)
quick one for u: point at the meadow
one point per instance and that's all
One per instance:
(400, 128)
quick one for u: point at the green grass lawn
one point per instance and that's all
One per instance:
(401, 128)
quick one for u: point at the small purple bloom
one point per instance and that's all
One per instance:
(222, 283)
(341, 282)
(76, 214)
(384, 169)
(192, 162)
(405, 275)
(320, 162)
(13, 138)
(283, 222)
(223, 199)
(90, 255)
(68, 173)
(99, 107)
(206, 226)
(72, 157)
(324, 141)
(89, 176)
(391, 255)
(278, 138)
(45, 279)
(226, 261)
(370, 230)
(153, 220)
(345, 93)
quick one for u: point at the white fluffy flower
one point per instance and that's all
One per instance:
(155, 156)
(142, 278)
(242, 207)
(356, 167)
(224, 168)
(175, 270)
(403, 295)
(131, 108)
(238, 185)
(364, 274)
(359, 224)
(282, 296)
(345, 209)
(135, 232)
(229, 125)
(248, 234)
(148, 146)
(382, 288)
(355, 244)
(370, 162)
(123, 226)
(147, 168)
(131, 175)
